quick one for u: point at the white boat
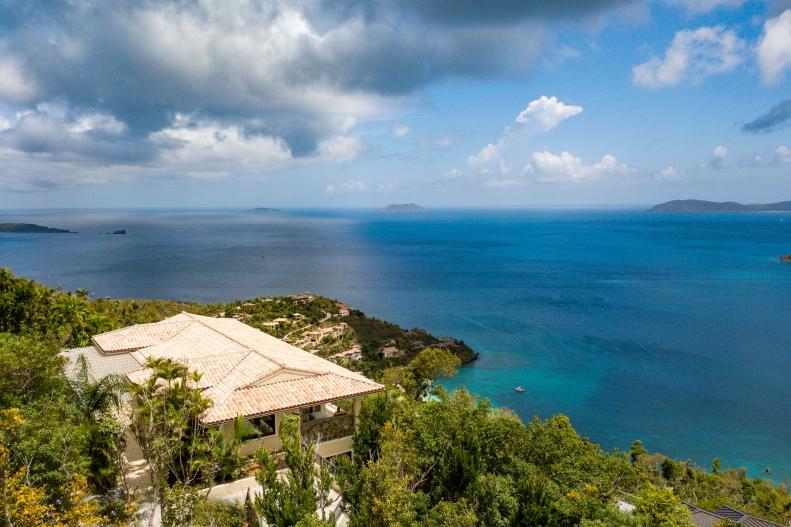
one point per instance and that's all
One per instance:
(519, 389)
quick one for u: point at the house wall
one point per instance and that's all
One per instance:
(273, 442)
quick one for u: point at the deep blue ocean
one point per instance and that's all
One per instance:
(672, 329)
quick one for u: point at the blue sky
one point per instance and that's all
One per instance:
(350, 103)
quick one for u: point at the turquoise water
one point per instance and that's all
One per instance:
(671, 329)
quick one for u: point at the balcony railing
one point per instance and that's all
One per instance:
(328, 428)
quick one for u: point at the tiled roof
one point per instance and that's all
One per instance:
(704, 518)
(241, 366)
(140, 335)
(279, 396)
(98, 365)
(744, 518)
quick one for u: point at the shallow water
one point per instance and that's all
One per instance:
(673, 329)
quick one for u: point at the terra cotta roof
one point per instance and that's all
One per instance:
(241, 367)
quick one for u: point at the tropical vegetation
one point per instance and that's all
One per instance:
(422, 456)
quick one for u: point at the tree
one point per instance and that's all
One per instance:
(660, 507)
(27, 505)
(31, 368)
(427, 366)
(96, 401)
(386, 494)
(293, 500)
(166, 424)
(451, 514)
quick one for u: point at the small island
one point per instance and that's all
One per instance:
(30, 228)
(404, 207)
(702, 206)
(262, 210)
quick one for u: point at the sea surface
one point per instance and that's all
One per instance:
(672, 329)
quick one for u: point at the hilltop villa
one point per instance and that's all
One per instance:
(245, 372)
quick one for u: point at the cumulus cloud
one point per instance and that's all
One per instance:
(445, 141)
(352, 185)
(400, 130)
(487, 154)
(290, 78)
(692, 56)
(717, 160)
(774, 48)
(780, 156)
(545, 113)
(547, 167)
(670, 173)
(15, 84)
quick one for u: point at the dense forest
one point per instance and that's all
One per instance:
(422, 456)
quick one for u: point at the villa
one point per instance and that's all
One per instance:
(245, 372)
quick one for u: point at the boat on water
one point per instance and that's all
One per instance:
(519, 389)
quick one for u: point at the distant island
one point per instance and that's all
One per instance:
(404, 207)
(30, 228)
(262, 210)
(120, 231)
(697, 205)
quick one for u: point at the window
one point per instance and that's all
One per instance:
(263, 426)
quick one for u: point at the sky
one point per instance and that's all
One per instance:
(347, 103)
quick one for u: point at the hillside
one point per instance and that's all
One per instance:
(317, 324)
(30, 228)
(696, 205)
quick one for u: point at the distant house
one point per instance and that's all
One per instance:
(391, 351)
(245, 372)
(343, 310)
(704, 518)
(302, 298)
(354, 353)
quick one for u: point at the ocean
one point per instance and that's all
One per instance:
(671, 329)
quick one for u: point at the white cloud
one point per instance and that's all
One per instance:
(99, 122)
(352, 185)
(670, 173)
(340, 148)
(547, 112)
(5, 124)
(547, 167)
(717, 160)
(487, 154)
(692, 56)
(774, 48)
(15, 84)
(400, 130)
(188, 142)
(445, 141)
(453, 173)
(780, 156)
(697, 7)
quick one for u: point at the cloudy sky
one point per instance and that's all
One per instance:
(353, 103)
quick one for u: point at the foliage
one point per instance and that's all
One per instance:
(166, 424)
(292, 500)
(209, 513)
(427, 366)
(659, 507)
(26, 504)
(31, 369)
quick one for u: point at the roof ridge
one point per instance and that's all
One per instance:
(229, 337)
(251, 386)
